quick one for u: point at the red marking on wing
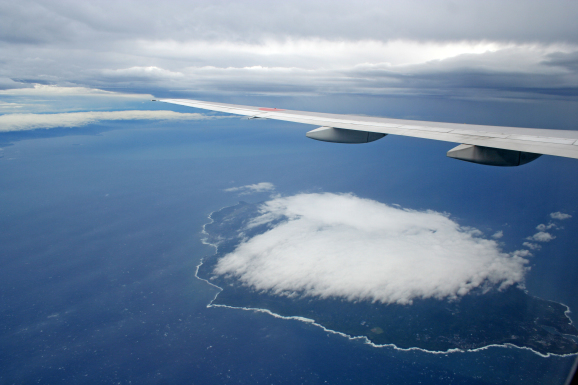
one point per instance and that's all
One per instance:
(271, 109)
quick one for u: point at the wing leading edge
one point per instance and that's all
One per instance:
(491, 145)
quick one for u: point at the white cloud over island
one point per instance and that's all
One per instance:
(340, 245)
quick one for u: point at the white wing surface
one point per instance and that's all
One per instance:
(492, 145)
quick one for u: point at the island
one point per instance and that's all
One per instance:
(477, 320)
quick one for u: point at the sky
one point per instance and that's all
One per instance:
(470, 50)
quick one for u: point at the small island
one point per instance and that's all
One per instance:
(474, 321)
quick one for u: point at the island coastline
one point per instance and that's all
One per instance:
(363, 338)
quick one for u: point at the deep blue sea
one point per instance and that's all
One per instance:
(100, 238)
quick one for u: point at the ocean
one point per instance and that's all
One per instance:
(101, 237)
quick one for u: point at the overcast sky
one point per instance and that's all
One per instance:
(466, 49)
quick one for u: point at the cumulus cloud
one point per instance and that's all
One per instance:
(253, 188)
(331, 245)
(498, 234)
(543, 227)
(560, 216)
(532, 246)
(23, 122)
(521, 253)
(541, 236)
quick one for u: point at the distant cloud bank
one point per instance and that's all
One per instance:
(340, 245)
(52, 90)
(253, 188)
(23, 122)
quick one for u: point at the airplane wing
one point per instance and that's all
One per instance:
(490, 145)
